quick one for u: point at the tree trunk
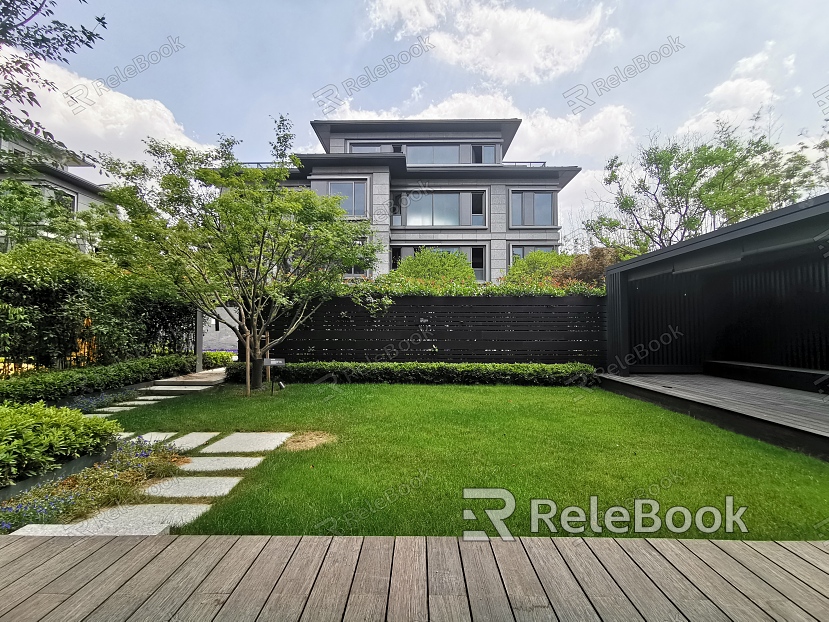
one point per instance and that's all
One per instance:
(256, 373)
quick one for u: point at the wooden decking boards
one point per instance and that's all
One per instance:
(410, 578)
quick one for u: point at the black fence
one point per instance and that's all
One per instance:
(536, 329)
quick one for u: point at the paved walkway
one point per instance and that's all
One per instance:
(230, 578)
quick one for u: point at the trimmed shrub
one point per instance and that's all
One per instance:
(539, 374)
(212, 360)
(432, 264)
(35, 438)
(54, 385)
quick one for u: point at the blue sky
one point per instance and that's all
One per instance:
(242, 62)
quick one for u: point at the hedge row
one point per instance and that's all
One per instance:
(430, 373)
(54, 385)
(35, 438)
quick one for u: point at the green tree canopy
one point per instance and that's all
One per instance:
(433, 264)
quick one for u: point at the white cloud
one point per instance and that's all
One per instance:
(541, 135)
(115, 123)
(756, 82)
(504, 43)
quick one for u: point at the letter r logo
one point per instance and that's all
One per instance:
(328, 98)
(577, 98)
(496, 517)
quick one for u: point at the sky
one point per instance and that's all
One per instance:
(228, 67)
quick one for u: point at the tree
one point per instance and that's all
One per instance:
(432, 264)
(684, 186)
(24, 42)
(236, 241)
(26, 214)
(536, 266)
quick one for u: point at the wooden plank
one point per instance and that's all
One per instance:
(247, 599)
(7, 540)
(812, 576)
(525, 592)
(370, 588)
(727, 597)
(211, 594)
(637, 586)
(781, 580)
(167, 599)
(291, 592)
(606, 597)
(333, 583)
(90, 567)
(83, 602)
(563, 591)
(19, 547)
(446, 584)
(760, 592)
(28, 585)
(408, 592)
(811, 554)
(487, 597)
(130, 596)
(34, 559)
(693, 604)
(36, 606)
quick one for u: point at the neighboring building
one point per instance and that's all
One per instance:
(53, 176)
(440, 183)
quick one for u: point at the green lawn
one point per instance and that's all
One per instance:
(428, 443)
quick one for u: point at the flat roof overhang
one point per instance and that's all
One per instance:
(797, 226)
(507, 127)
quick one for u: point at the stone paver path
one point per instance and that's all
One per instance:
(174, 487)
(247, 442)
(192, 440)
(124, 435)
(221, 464)
(126, 520)
(155, 437)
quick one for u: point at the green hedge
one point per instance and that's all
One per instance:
(430, 373)
(35, 438)
(212, 360)
(54, 385)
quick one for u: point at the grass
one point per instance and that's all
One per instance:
(426, 444)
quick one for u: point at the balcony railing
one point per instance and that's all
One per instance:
(525, 163)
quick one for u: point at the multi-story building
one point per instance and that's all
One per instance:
(439, 183)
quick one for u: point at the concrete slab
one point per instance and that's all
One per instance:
(135, 403)
(154, 398)
(111, 410)
(178, 390)
(123, 435)
(126, 520)
(205, 378)
(192, 487)
(221, 464)
(155, 437)
(193, 440)
(247, 442)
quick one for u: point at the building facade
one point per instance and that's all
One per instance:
(439, 183)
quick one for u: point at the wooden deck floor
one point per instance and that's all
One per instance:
(236, 579)
(800, 410)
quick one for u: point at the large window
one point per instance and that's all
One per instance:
(68, 201)
(532, 209)
(433, 154)
(523, 251)
(354, 192)
(483, 154)
(439, 209)
(365, 149)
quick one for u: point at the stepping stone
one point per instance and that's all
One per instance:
(192, 487)
(155, 437)
(247, 442)
(193, 440)
(111, 410)
(221, 464)
(123, 435)
(154, 398)
(126, 520)
(174, 390)
(143, 403)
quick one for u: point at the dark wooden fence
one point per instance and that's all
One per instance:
(538, 329)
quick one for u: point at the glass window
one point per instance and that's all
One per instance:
(478, 262)
(478, 219)
(538, 212)
(447, 211)
(517, 217)
(447, 154)
(518, 252)
(365, 148)
(419, 210)
(354, 196)
(419, 154)
(489, 154)
(483, 154)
